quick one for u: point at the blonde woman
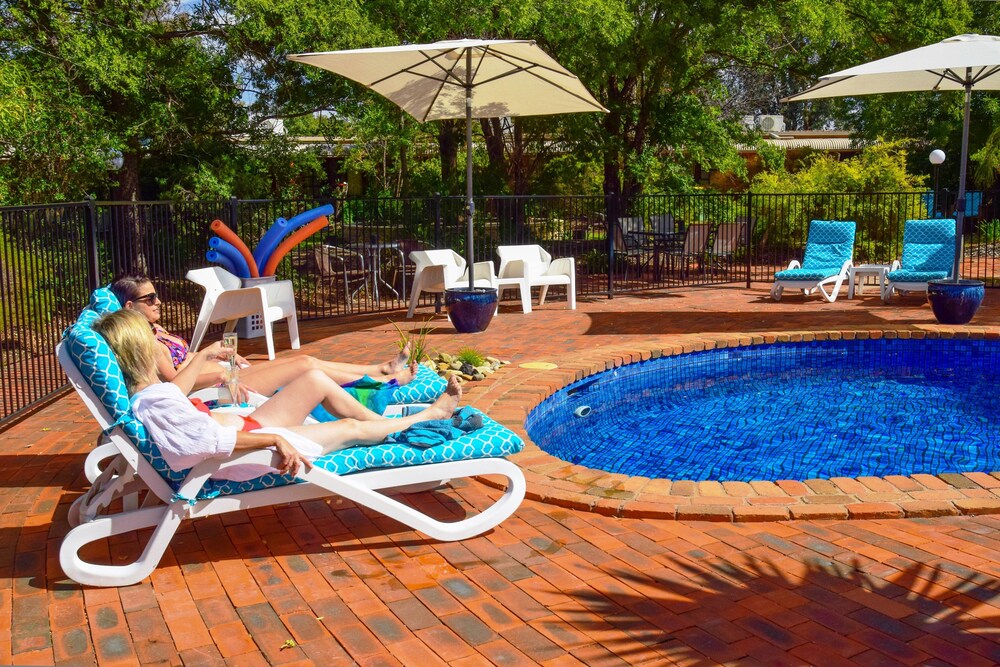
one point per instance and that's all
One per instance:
(265, 377)
(187, 432)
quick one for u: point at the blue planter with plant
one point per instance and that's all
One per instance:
(955, 301)
(471, 309)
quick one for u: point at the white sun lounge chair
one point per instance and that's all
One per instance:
(155, 496)
(526, 266)
(829, 254)
(928, 254)
(440, 270)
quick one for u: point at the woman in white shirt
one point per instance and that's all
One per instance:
(187, 433)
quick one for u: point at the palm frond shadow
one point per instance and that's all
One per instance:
(713, 609)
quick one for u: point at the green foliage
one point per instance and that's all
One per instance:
(878, 168)
(471, 356)
(988, 231)
(417, 341)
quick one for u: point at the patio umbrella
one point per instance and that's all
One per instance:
(963, 62)
(466, 78)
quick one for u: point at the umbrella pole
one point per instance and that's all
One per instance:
(470, 206)
(960, 212)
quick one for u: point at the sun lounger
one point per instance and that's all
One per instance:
(829, 254)
(154, 496)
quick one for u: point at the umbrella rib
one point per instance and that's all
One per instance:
(512, 61)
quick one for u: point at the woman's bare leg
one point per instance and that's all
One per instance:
(267, 377)
(292, 405)
(345, 433)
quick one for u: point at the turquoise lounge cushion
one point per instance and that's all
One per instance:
(830, 243)
(908, 276)
(928, 246)
(103, 300)
(424, 388)
(813, 275)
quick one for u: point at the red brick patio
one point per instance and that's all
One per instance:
(588, 571)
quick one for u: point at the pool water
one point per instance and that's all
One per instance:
(786, 411)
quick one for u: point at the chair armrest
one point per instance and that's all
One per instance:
(513, 269)
(561, 266)
(895, 265)
(484, 270)
(794, 264)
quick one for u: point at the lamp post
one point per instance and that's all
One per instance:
(936, 158)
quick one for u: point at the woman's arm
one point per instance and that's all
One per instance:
(189, 377)
(208, 377)
(291, 458)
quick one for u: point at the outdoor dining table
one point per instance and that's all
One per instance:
(660, 243)
(374, 251)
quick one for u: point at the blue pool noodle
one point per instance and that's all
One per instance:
(216, 257)
(235, 257)
(272, 237)
(281, 228)
(308, 216)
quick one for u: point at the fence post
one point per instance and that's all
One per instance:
(234, 213)
(612, 224)
(437, 244)
(90, 241)
(748, 230)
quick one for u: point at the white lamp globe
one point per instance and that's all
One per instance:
(937, 156)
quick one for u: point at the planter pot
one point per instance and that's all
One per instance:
(955, 301)
(253, 326)
(471, 310)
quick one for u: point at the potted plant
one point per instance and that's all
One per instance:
(470, 308)
(955, 301)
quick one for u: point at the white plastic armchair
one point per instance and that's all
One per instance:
(226, 300)
(439, 270)
(527, 266)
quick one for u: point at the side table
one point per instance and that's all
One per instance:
(856, 277)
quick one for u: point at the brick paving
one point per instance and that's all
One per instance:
(592, 569)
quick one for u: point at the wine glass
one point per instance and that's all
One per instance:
(232, 372)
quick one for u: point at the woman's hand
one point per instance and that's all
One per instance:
(215, 352)
(291, 459)
(241, 362)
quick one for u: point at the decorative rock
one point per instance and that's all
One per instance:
(478, 376)
(455, 364)
(445, 357)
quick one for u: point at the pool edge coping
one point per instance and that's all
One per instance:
(514, 392)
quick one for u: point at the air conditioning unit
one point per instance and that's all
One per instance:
(750, 121)
(771, 123)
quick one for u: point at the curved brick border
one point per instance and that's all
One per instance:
(513, 392)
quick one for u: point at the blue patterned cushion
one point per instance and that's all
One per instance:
(928, 246)
(807, 274)
(93, 356)
(493, 440)
(103, 300)
(830, 244)
(907, 276)
(424, 388)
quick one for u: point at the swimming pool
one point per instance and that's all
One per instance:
(785, 411)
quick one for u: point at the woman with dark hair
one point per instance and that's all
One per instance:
(266, 377)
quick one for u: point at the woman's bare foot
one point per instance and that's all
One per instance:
(398, 364)
(406, 375)
(447, 402)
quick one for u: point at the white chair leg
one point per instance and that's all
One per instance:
(543, 290)
(525, 290)
(269, 337)
(293, 330)
(414, 295)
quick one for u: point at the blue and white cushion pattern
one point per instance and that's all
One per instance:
(830, 244)
(425, 387)
(97, 363)
(928, 251)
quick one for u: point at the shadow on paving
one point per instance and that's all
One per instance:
(691, 609)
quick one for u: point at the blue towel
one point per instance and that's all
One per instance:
(370, 393)
(439, 431)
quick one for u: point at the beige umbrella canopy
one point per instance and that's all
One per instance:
(963, 62)
(466, 78)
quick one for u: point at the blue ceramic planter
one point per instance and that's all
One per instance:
(471, 310)
(955, 301)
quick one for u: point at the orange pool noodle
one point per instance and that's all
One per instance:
(295, 238)
(226, 234)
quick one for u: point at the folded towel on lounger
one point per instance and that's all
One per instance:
(439, 431)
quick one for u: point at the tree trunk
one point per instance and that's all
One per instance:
(449, 135)
(127, 255)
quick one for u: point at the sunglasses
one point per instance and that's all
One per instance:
(148, 299)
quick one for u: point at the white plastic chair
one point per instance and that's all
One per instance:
(440, 270)
(527, 266)
(226, 300)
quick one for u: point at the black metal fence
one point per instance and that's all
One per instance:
(52, 256)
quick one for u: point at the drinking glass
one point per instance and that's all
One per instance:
(232, 371)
